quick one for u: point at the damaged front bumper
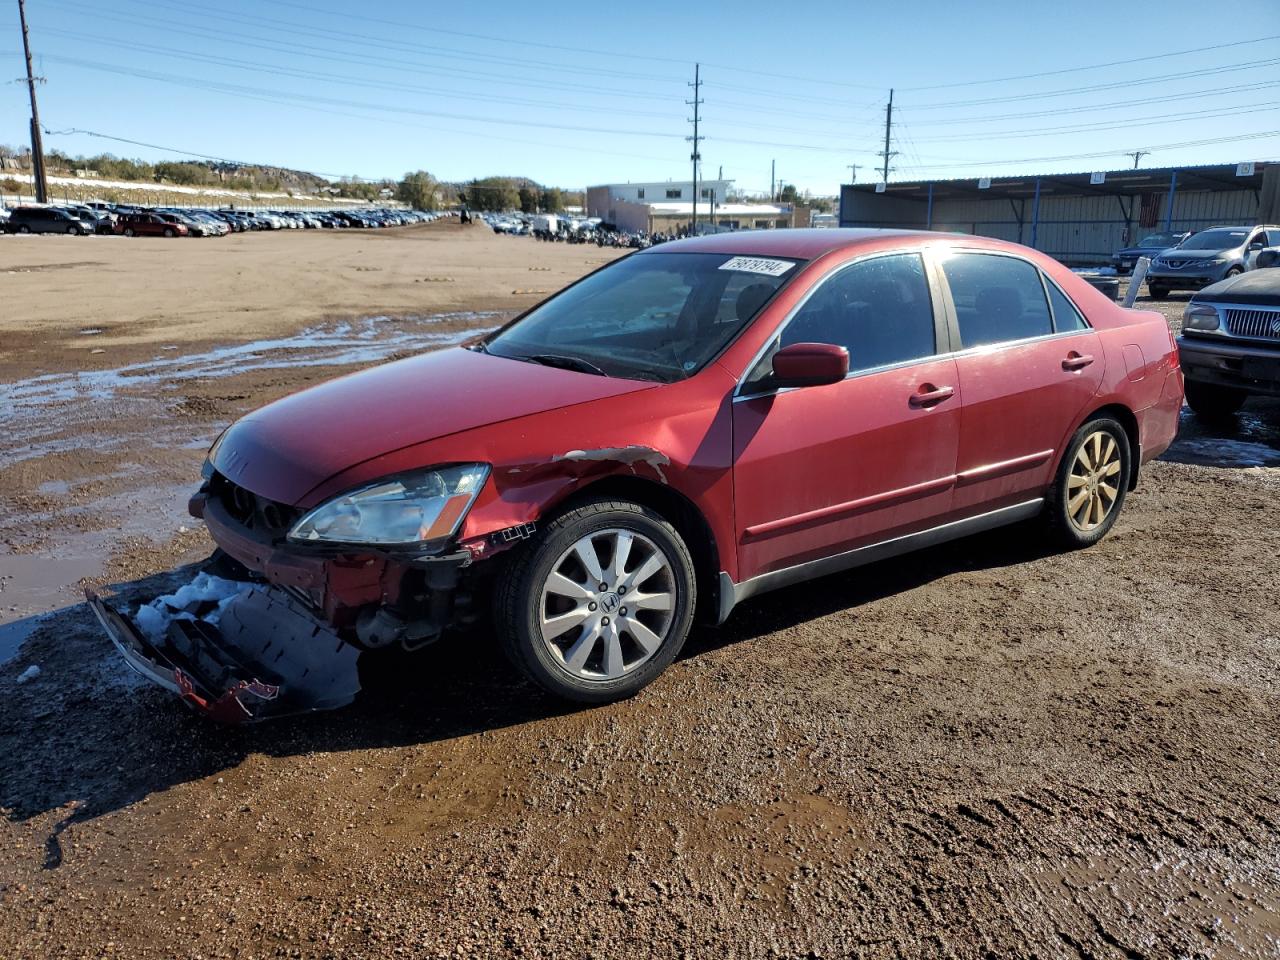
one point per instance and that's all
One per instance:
(267, 656)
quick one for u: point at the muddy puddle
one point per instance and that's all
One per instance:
(1250, 439)
(41, 410)
(32, 585)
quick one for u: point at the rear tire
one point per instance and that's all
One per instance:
(1089, 490)
(23, 228)
(128, 232)
(1213, 401)
(574, 636)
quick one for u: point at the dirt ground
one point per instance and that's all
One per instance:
(985, 750)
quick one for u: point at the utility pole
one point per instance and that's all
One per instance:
(888, 129)
(37, 148)
(719, 180)
(1137, 156)
(773, 180)
(696, 157)
(853, 171)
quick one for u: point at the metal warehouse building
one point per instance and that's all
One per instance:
(1079, 218)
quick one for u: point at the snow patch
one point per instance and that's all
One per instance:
(204, 598)
(1228, 453)
(29, 674)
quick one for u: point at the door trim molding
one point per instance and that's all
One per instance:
(1003, 467)
(771, 527)
(732, 594)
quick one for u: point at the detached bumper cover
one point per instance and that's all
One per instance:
(267, 657)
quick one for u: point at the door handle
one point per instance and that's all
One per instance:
(928, 395)
(1076, 361)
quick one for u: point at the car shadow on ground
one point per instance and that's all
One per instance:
(87, 737)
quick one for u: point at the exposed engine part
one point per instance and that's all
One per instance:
(426, 608)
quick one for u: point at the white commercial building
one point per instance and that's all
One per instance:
(665, 206)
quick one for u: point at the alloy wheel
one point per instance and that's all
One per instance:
(1094, 482)
(607, 605)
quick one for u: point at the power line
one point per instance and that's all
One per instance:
(1150, 121)
(1095, 66)
(346, 56)
(237, 90)
(349, 80)
(345, 79)
(1073, 91)
(346, 38)
(1261, 135)
(1096, 107)
(309, 8)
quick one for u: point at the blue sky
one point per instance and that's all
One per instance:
(579, 93)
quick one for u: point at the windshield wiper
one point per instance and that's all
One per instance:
(564, 363)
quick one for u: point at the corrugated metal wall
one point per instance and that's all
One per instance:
(1077, 228)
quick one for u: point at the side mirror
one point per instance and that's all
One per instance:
(810, 365)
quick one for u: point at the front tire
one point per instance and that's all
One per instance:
(599, 603)
(1213, 401)
(1157, 291)
(168, 232)
(1089, 489)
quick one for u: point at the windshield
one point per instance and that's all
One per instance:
(1159, 240)
(1215, 240)
(652, 316)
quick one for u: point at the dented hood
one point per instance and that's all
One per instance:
(289, 447)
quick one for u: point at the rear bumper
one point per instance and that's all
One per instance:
(1252, 368)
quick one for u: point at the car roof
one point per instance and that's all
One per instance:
(803, 244)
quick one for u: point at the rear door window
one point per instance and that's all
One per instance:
(879, 309)
(1066, 316)
(997, 299)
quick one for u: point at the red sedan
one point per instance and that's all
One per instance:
(690, 426)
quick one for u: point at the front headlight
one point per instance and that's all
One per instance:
(1199, 316)
(414, 508)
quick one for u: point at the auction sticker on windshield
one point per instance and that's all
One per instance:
(762, 265)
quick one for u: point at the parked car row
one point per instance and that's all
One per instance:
(100, 217)
(565, 229)
(1204, 258)
(1193, 260)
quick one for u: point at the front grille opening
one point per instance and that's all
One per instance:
(252, 511)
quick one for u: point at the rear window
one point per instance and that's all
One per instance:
(997, 298)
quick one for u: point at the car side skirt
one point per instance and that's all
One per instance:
(732, 594)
